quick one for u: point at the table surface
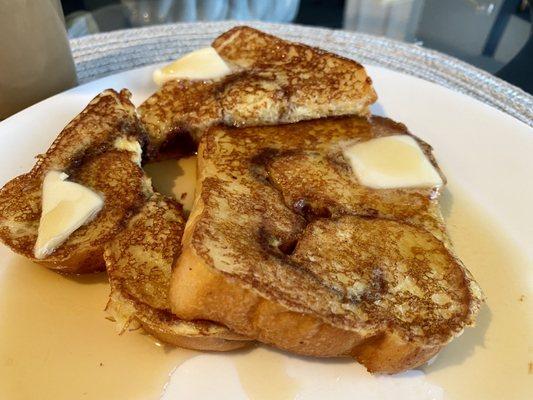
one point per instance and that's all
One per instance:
(493, 35)
(103, 54)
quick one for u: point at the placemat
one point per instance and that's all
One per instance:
(107, 53)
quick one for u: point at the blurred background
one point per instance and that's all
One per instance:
(494, 35)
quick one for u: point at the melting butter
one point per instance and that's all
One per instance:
(202, 64)
(66, 206)
(132, 145)
(392, 162)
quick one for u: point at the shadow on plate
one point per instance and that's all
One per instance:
(377, 109)
(21, 264)
(86, 279)
(446, 203)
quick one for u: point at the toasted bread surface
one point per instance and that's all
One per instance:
(178, 108)
(284, 245)
(274, 81)
(139, 262)
(314, 83)
(84, 150)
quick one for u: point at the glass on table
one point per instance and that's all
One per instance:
(35, 57)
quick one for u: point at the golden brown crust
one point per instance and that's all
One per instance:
(315, 83)
(196, 335)
(84, 150)
(180, 107)
(139, 262)
(139, 258)
(244, 310)
(273, 81)
(108, 116)
(284, 229)
(112, 174)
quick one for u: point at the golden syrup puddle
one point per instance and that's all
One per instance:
(56, 343)
(493, 357)
(175, 178)
(55, 340)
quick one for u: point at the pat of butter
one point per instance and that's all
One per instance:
(203, 64)
(66, 206)
(392, 162)
(131, 145)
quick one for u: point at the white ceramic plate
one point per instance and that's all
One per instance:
(55, 342)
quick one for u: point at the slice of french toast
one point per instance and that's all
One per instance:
(139, 264)
(87, 151)
(273, 81)
(309, 82)
(285, 246)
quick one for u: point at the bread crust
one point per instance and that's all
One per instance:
(244, 311)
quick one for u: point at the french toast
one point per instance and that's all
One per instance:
(86, 150)
(283, 245)
(273, 81)
(139, 261)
